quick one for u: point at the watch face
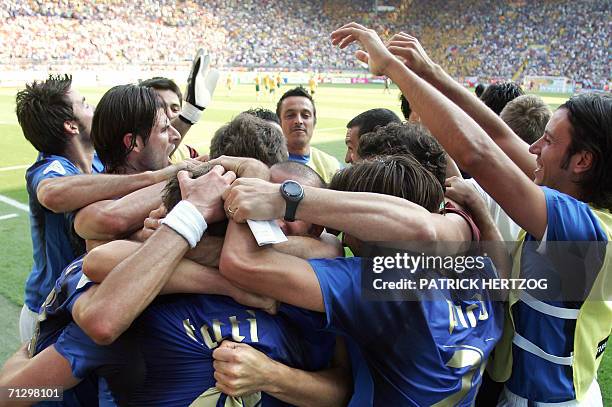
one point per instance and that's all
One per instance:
(292, 189)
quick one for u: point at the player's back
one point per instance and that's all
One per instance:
(427, 348)
(443, 339)
(179, 333)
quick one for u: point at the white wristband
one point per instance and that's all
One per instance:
(191, 113)
(187, 221)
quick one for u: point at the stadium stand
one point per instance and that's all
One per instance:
(484, 39)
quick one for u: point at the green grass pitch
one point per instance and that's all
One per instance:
(336, 105)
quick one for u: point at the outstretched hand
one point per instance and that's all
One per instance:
(375, 55)
(410, 51)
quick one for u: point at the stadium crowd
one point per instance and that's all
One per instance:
(244, 275)
(485, 39)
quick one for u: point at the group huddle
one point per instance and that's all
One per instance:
(149, 287)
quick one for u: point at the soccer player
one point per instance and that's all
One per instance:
(568, 200)
(139, 145)
(364, 123)
(527, 116)
(298, 117)
(257, 89)
(386, 85)
(399, 340)
(249, 136)
(312, 84)
(229, 83)
(497, 95)
(278, 80)
(201, 85)
(57, 120)
(170, 93)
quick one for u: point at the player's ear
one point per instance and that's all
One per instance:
(71, 127)
(132, 142)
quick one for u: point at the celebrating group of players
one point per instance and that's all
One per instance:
(149, 288)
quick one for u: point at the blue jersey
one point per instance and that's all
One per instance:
(558, 341)
(118, 366)
(419, 352)
(54, 316)
(54, 242)
(56, 311)
(175, 339)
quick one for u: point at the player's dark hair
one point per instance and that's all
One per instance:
(42, 109)
(406, 139)
(497, 95)
(405, 107)
(123, 109)
(480, 88)
(398, 175)
(372, 119)
(265, 114)
(160, 83)
(250, 136)
(590, 115)
(300, 92)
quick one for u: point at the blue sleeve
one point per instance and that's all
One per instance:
(51, 167)
(96, 165)
(340, 281)
(570, 219)
(84, 355)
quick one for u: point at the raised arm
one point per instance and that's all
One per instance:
(416, 59)
(459, 134)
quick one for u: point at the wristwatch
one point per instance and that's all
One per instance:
(292, 192)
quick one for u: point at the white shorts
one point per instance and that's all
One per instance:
(591, 399)
(27, 324)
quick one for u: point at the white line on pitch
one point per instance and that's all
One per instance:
(9, 216)
(14, 167)
(14, 203)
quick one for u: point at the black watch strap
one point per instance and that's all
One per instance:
(291, 208)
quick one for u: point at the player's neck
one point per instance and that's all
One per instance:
(80, 155)
(300, 150)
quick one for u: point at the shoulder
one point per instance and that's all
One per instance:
(323, 159)
(571, 219)
(51, 166)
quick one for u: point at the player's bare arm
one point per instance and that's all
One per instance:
(459, 134)
(136, 281)
(66, 194)
(266, 271)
